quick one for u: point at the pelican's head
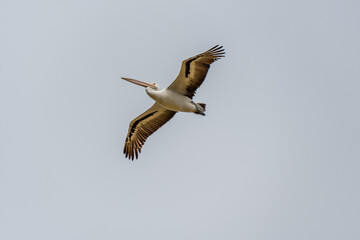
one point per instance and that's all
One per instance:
(154, 86)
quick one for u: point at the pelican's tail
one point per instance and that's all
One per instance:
(203, 105)
(200, 108)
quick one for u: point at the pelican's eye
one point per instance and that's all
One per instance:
(154, 84)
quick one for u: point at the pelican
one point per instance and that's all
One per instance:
(176, 98)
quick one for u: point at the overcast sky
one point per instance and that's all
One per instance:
(276, 156)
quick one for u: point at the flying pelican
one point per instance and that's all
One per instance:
(176, 98)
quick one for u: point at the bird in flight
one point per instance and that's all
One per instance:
(175, 98)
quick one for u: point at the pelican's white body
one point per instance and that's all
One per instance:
(172, 100)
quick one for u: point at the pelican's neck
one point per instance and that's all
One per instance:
(155, 94)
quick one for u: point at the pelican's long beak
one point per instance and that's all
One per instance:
(140, 83)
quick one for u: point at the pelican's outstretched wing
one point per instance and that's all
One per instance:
(143, 126)
(193, 71)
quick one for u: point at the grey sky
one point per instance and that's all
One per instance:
(276, 157)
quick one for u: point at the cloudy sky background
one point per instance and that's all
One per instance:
(276, 157)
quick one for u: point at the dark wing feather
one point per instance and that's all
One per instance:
(193, 71)
(143, 126)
